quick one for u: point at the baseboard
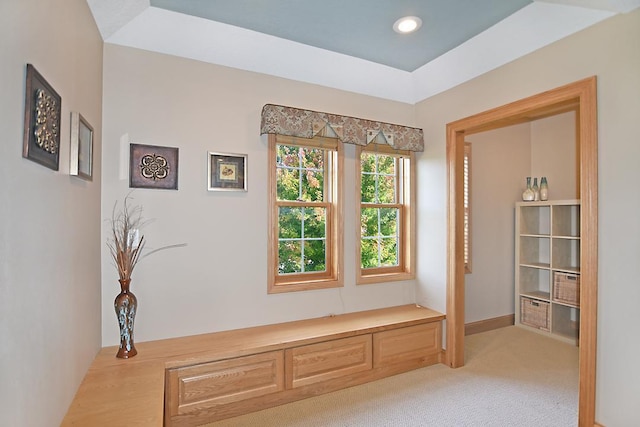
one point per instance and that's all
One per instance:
(598, 425)
(489, 324)
(443, 356)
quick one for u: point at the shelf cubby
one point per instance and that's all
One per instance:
(534, 251)
(566, 221)
(565, 321)
(566, 255)
(535, 283)
(535, 221)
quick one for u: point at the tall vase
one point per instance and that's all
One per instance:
(126, 305)
(536, 190)
(544, 189)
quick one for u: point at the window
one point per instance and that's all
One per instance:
(304, 211)
(386, 215)
(467, 207)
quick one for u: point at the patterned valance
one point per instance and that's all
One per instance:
(307, 124)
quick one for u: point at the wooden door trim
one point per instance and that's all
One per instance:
(579, 97)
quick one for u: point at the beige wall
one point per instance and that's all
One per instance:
(218, 281)
(553, 154)
(49, 222)
(50, 270)
(608, 50)
(501, 160)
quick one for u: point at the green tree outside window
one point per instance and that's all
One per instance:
(380, 213)
(302, 213)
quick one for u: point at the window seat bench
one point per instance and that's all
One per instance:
(203, 378)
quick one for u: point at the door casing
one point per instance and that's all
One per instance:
(580, 97)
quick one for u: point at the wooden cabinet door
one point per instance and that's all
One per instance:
(203, 387)
(411, 345)
(315, 363)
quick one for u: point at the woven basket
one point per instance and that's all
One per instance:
(566, 288)
(534, 313)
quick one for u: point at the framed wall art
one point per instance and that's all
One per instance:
(152, 166)
(43, 106)
(227, 172)
(81, 148)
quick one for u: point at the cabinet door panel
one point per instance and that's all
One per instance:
(217, 383)
(327, 360)
(406, 345)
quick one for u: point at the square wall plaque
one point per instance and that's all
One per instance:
(152, 166)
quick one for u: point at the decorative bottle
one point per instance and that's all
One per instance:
(528, 195)
(536, 190)
(544, 189)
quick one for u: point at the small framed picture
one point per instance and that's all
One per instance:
(81, 152)
(43, 106)
(227, 172)
(152, 166)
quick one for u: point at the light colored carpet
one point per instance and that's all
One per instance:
(512, 377)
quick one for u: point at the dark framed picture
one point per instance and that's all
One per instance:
(81, 148)
(152, 166)
(227, 172)
(43, 106)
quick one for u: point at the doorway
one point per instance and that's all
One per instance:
(579, 97)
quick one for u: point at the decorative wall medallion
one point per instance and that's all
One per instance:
(152, 166)
(47, 131)
(41, 142)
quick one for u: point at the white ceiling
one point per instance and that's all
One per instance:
(313, 53)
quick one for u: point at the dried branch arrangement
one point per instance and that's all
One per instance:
(124, 244)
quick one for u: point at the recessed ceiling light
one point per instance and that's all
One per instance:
(408, 24)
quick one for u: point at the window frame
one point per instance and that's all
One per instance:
(332, 277)
(407, 200)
